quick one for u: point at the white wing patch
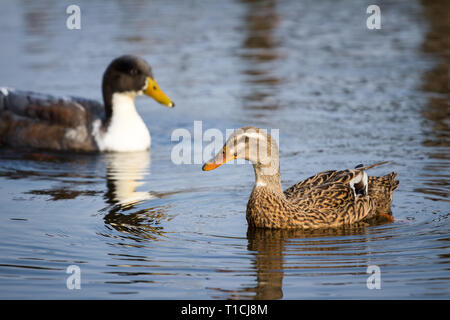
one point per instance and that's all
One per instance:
(361, 178)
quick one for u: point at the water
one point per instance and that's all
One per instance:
(138, 226)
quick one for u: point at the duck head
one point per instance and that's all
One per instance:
(132, 76)
(252, 144)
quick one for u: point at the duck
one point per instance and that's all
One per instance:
(37, 120)
(329, 199)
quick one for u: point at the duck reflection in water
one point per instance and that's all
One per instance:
(277, 250)
(128, 210)
(126, 171)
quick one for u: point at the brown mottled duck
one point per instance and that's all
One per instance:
(328, 199)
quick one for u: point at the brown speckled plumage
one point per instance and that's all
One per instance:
(327, 199)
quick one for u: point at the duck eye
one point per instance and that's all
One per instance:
(134, 72)
(155, 88)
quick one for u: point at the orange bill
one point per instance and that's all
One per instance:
(220, 159)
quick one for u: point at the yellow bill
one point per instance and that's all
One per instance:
(153, 90)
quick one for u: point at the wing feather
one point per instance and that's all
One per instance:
(30, 119)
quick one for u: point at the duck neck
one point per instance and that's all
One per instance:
(123, 105)
(108, 103)
(270, 181)
(120, 105)
(124, 128)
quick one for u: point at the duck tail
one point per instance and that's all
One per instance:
(360, 183)
(363, 168)
(381, 190)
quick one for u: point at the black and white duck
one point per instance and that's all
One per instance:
(36, 120)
